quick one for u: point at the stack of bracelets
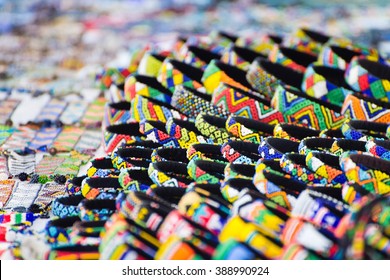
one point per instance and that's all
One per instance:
(211, 150)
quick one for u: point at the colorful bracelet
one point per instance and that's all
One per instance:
(292, 58)
(119, 134)
(95, 187)
(73, 185)
(52, 111)
(307, 40)
(197, 56)
(6, 189)
(66, 206)
(331, 133)
(361, 107)
(169, 174)
(295, 165)
(297, 252)
(325, 83)
(265, 76)
(326, 166)
(74, 252)
(298, 107)
(66, 140)
(239, 170)
(313, 144)
(272, 148)
(337, 56)
(248, 104)
(231, 188)
(212, 127)
(135, 179)
(145, 108)
(235, 250)
(262, 44)
(94, 114)
(240, 57)
(363, 130)
(151, 62)
(341, 145)
(176, 248)
(170, 154)
(18, 218)
(206, 171)
(58, 231)
(172, 196)
(116, 113)
(156, 131)
(192, 103)
(174, 72)
(294, 132)
(148, 87)
(96, 209)
(185, 132)
(217, 72)
(247, 129)
(378, 148)
(101, 167)
(369, 77)
(240, 152)
(210, 152)
(370, 172)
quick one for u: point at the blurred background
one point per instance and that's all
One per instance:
(43, 39)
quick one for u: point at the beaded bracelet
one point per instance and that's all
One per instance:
(363, 130)
(240, 57)
(295, 165)
(238, 170)
(74, 252)
(212, 127)
(192, 103)
(294, 132)
(248, 104)
(341, 145)
(300, 232)
(172, 196)
(147, 87)
(135, 179)
(320, 209)
(94, 114)
(146, 108)
(217, 72)
(378, 148)
(254, 235)
(197, 56)
(116, 113)
(169, 174)
(206, 171)
(169, 154)
(101, 167)
(156, 131)
(313, 144)
(231, 188)
(291, 58)
(6, 189)
(369, 77)
(95, 187)
(178, 224)
(211, 152)
(370, 172)
(297, 252)
(326, 166)
(174, 72)
(58, 231)
(331, 133)
(87, 233)
(276, 185)
(265, 76)
(66, 206)
(240, 152)
(116, 135)
(96, 209)
(176, 248)
(337, 56)
(18, 218)
(185, 132)
(151, 63)
(298, 107)
(73, 185)
(272, 148)
(307, 40)
(247, 129)
(361, 107)
(262, 44)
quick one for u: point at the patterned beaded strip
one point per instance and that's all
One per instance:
(51, 111)
(277, 55)
(218, 134)
(89, 141)
(73, 112)
(67, 139)
(23, 195)
(21, 163)
(6, 188)
(206, 171)
(49, 164)
(48, 193)
(71, 165)
(153, 133)
(113, 115)
(246, 154)
(133, 87)
(242, 104)
(94, 113)
(44, 138)
(19, 139)
(318, 86)
(298, 109)
(164, 179)
(359, 107)
(5, 133)
(362, 80)
(6, 109)
(4, 174)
